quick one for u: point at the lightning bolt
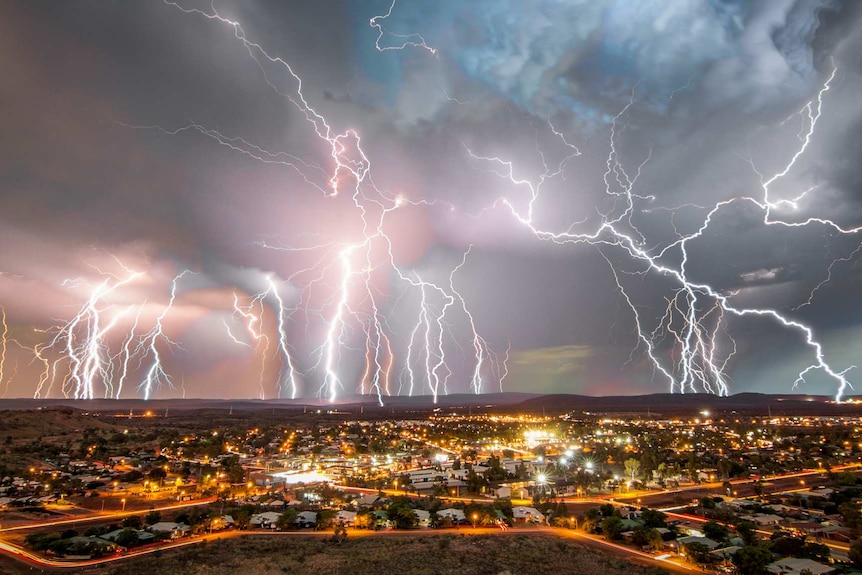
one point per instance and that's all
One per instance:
(79, 352)
(828, 277)
(695, 320)
(155, 375)
(253, 314)
(355, 303)
(11, 379)
(282, 341)
(412, 40)
(697, 343)
(83, 342)
(3, 341)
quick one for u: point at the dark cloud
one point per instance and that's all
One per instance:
(95, 170)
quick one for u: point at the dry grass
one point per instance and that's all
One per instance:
(527, 554)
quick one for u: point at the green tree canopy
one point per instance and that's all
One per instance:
(752, 560)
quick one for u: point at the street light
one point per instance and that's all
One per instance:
(475, 519)
(124, 503)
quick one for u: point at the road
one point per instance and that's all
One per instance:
(698, 519)
(105, 517)
(629, 553)
(622, 551)
(741, 488)
(649, 498)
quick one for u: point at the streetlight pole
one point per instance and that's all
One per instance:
(124, 504)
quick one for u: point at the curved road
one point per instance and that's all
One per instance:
(622, 551)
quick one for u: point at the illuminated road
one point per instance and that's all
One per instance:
(102, 517)
(778, 483)
(699, 519)
(629, 553)
(741, 487)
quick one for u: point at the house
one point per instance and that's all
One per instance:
(368, 500)
(702, 540)
(503, 492)
(690, 528)
(796, 566)
(143, 536)
(456, 515)
(223, 522)
(423, 518)
(267, 520)
(175, 529)
(726, 553)
(306, 519)
(523, 513)
(425, 478)
(348, 518)
(763, 519)
(380, 519)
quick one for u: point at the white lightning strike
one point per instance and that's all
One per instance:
(282, 343)
(412, 40)
(156, 375)
(3, 341)
(83, 342)
(828, 277)
(698, 344)
(79, 352)
(696, 316)
(254, 326)
(352, 305)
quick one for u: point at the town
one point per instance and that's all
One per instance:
(722, 493)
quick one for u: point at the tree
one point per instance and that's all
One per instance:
(655, 540)
(607, 509)
(648, 464)
(748, 531)
(856, 553)
(612, 527)
(653, 518)
(157, 474)
(724, 468)
(715, 531)
(340, 533)
(286, 519)
(152, 517)
(401, 514)
(847, 478)
(235, 473)
(697, 553)
(816, 552)
(752, 560)
(758, 487)
(850, 514)
(788, 546)
(632, 466)
(132, 522)
(127, 538)
(325, 518)
(663, 471)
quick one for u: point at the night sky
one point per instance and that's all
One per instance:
(559, 175)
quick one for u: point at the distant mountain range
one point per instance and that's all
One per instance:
(658, 404)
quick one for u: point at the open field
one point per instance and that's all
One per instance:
(404, 555)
